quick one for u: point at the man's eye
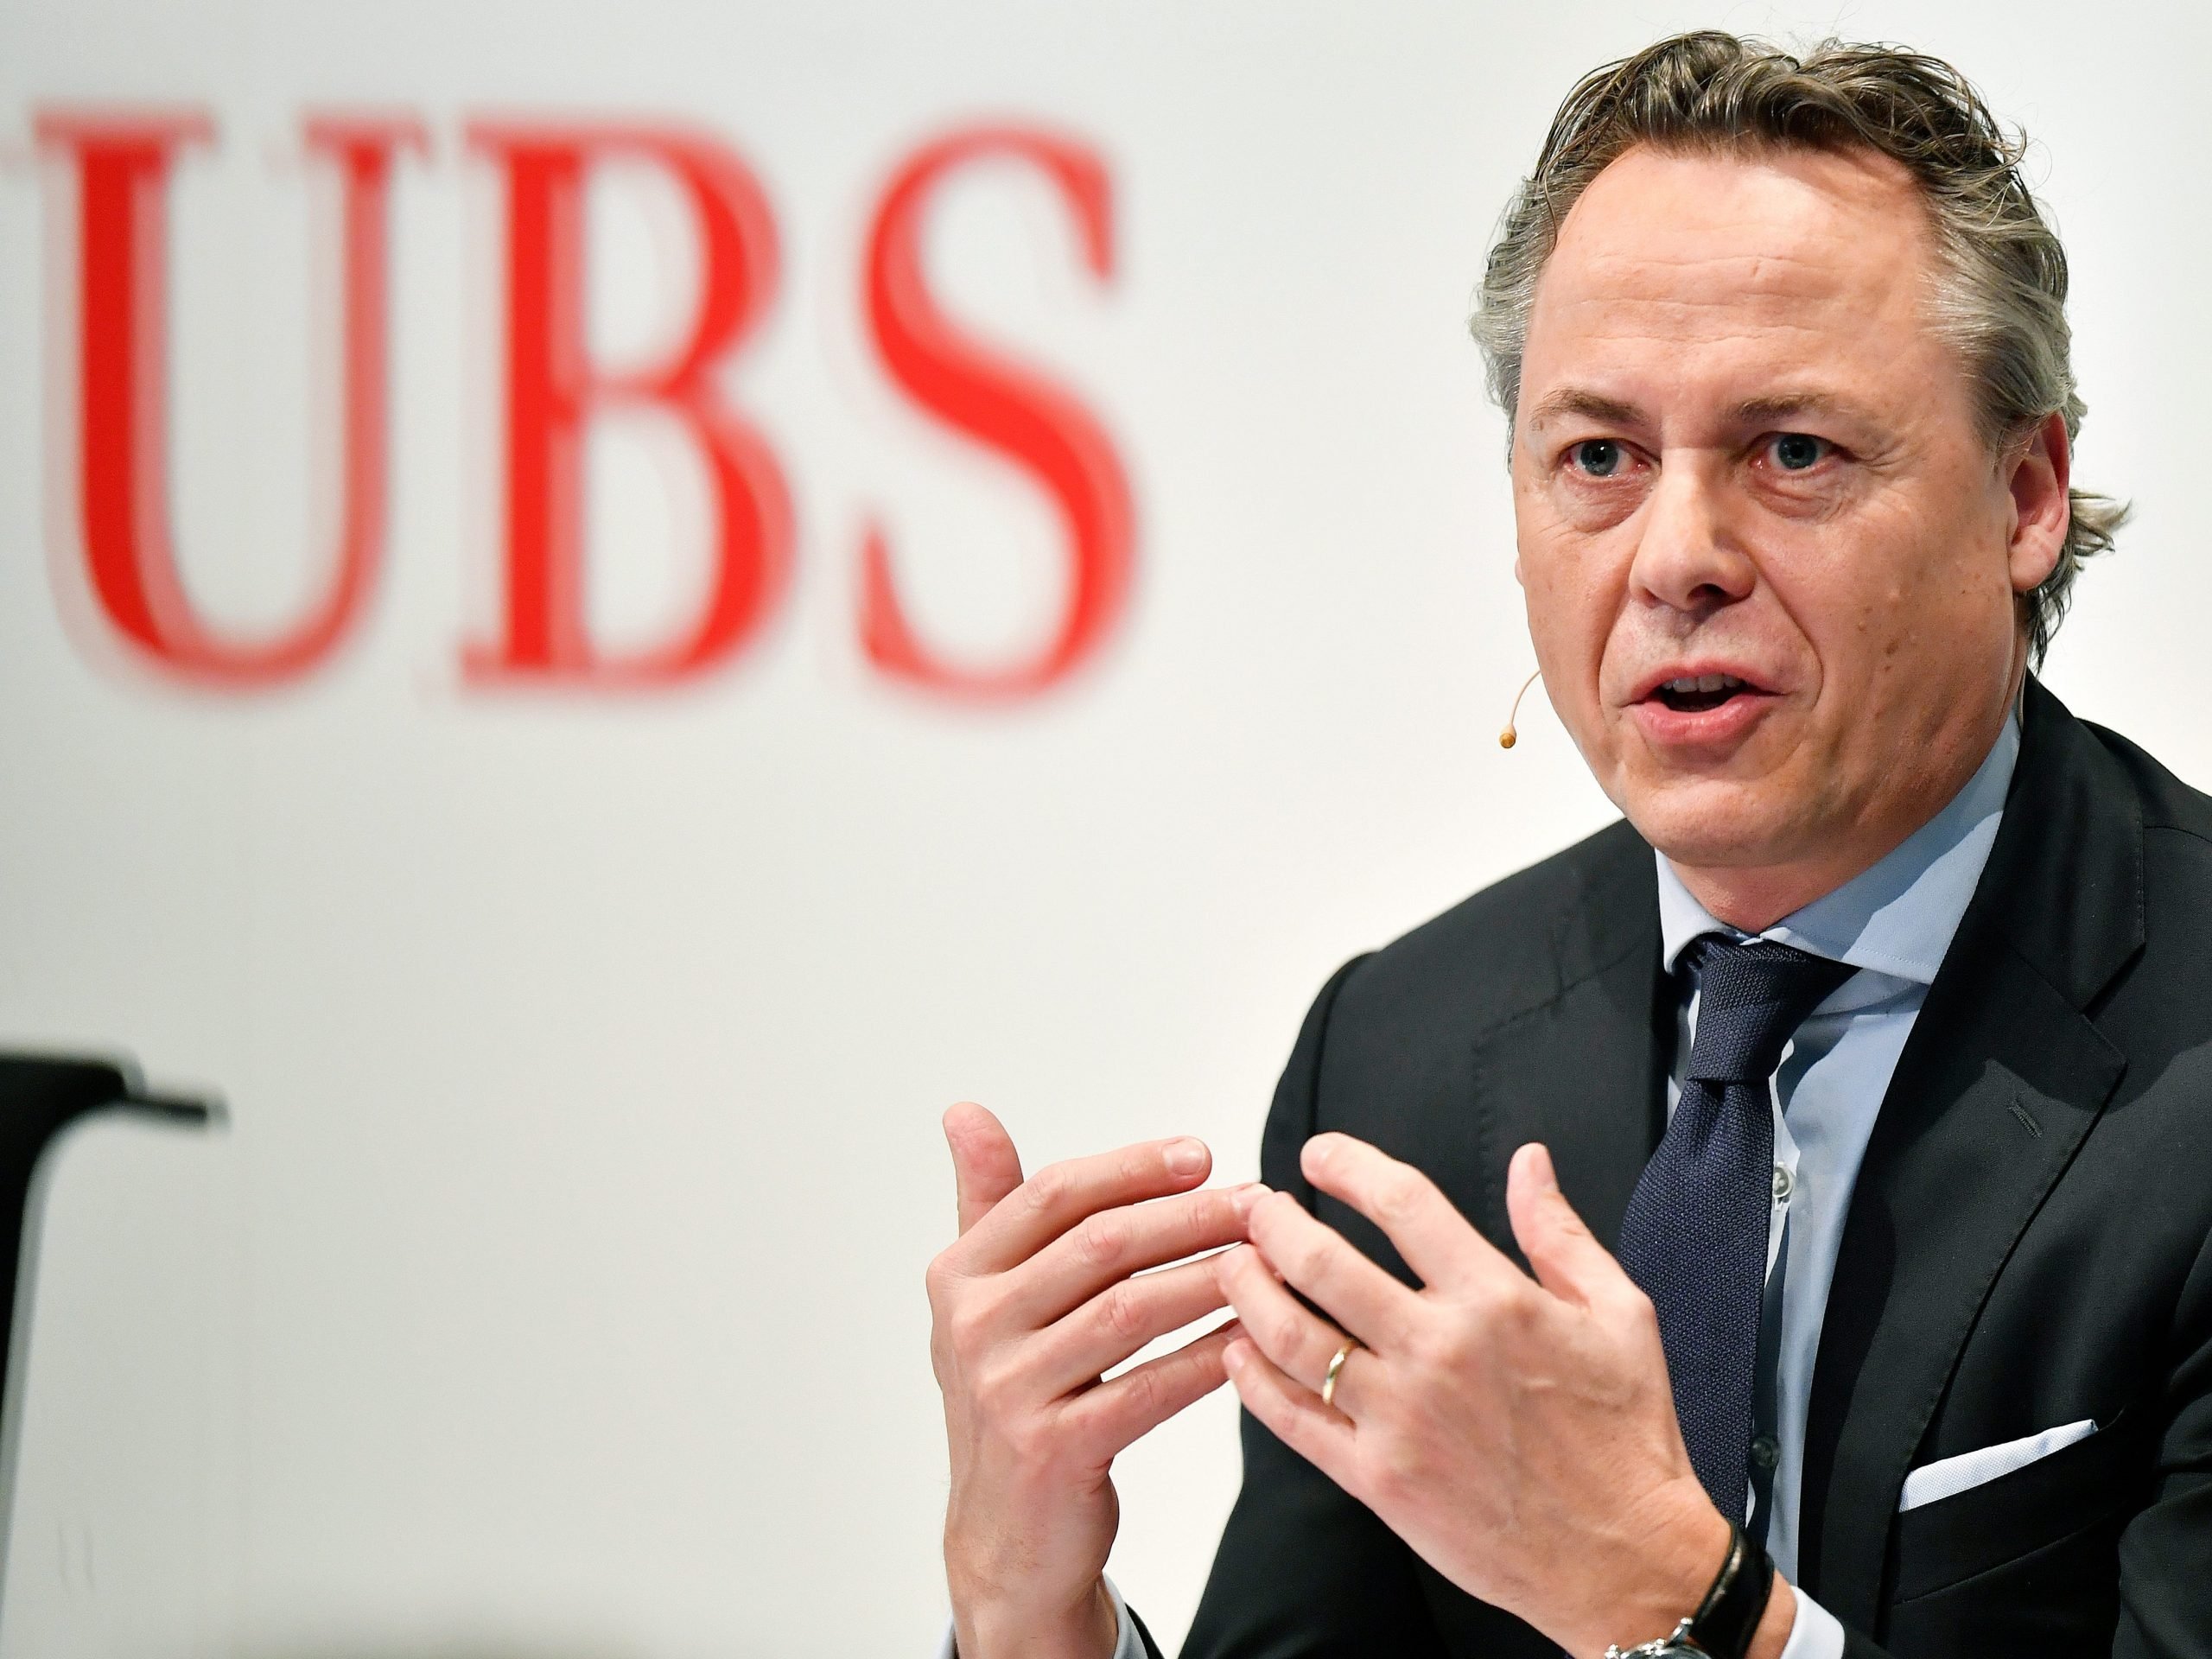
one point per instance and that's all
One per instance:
(1599, 457)
(1794, 451)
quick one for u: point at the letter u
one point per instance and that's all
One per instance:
(123, 167)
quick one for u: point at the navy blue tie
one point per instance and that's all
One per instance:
(1695, 1234)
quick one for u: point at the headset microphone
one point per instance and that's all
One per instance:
(1509, 737)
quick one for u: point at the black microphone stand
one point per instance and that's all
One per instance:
(40, 1097)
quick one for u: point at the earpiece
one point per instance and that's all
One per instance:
(1509, 737)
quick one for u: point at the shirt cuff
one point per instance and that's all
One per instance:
(1128, 1644)
(1818, 1634)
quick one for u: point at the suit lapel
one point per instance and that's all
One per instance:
(1582, 1070)
(2002, 1077)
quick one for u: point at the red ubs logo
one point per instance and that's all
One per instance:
(121, 166)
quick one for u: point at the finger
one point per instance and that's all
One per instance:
(985, 1167)
(1435, 1239)
(1293, 1415)
(1111, 1244)
(1114, 1414)
(1323, 1264)
(1122, 1318)
(1567, 1259)
(1297, 1340)
(1060, 1195)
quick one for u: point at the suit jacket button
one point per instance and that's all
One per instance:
(1766, 1452)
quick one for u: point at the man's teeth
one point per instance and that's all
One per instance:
(1694, 682)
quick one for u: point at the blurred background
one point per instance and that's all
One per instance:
(449, 707)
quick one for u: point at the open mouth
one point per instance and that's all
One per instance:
(1695, 693)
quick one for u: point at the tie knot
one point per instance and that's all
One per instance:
(1750, 998)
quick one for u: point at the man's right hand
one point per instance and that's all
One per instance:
(1038, 1298)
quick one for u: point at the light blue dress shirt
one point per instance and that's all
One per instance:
(1894, 922)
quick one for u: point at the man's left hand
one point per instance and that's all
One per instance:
(1519, 1433)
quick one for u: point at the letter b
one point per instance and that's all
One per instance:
(552, 390)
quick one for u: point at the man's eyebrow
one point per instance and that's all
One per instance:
(1572, 400)
(1754, 411)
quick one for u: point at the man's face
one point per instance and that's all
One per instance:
(1770, 563)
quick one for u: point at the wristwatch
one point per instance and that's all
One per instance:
(1725, 1622)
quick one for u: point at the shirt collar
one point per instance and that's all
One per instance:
(1896, 917)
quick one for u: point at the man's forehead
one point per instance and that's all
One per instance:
(1682, 239)
(1742, 285)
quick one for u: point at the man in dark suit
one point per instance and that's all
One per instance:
(1777, 1228)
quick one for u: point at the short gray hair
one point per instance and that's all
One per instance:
(2002, 301)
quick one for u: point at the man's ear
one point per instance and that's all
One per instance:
(2040, 469)
(1513, 483)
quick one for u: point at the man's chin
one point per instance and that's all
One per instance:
(1716, 824)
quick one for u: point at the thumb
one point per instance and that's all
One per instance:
(1566, 1257)
(985, 1167)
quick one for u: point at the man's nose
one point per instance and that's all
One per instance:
(1689, 557)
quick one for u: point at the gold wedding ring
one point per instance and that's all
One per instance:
(1336, 1365)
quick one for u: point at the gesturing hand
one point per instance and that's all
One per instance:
(1519, 1433)
(1042, 1293)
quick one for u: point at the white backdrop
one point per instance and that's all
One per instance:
(556, 1287)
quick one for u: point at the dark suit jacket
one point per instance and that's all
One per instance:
(2027, 1245)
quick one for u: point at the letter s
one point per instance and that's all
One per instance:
(1002, 405)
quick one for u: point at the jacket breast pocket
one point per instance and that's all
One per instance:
(2077, 1495)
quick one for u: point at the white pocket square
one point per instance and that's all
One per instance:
(1951, 1476)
